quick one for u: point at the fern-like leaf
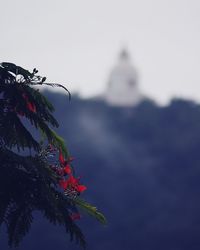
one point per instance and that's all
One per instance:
(91, 210)
(54, 85)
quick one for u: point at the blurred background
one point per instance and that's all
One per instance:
(133, 123)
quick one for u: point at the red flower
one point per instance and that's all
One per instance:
(31, 106)
(67, 169)
(64, 163)
(81, 188)
(63, 184)
(75, 216)
(72, 183)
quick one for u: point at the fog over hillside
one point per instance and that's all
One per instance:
(142, 169)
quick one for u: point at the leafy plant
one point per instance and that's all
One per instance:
(42, 179)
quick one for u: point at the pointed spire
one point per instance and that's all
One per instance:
(124, 55)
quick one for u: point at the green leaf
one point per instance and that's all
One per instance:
(91, 210)
(59, 142)
(56, 140)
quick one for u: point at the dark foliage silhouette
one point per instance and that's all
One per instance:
(36, 171)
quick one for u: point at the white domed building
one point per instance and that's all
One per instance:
(122, 87)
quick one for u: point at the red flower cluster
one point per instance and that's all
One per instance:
(65, 164)
(31, 106)
(70, 184)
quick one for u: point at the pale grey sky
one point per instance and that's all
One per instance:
(77, 42)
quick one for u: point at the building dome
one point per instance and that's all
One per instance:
(122, 87)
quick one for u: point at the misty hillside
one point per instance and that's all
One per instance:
(142, 169)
